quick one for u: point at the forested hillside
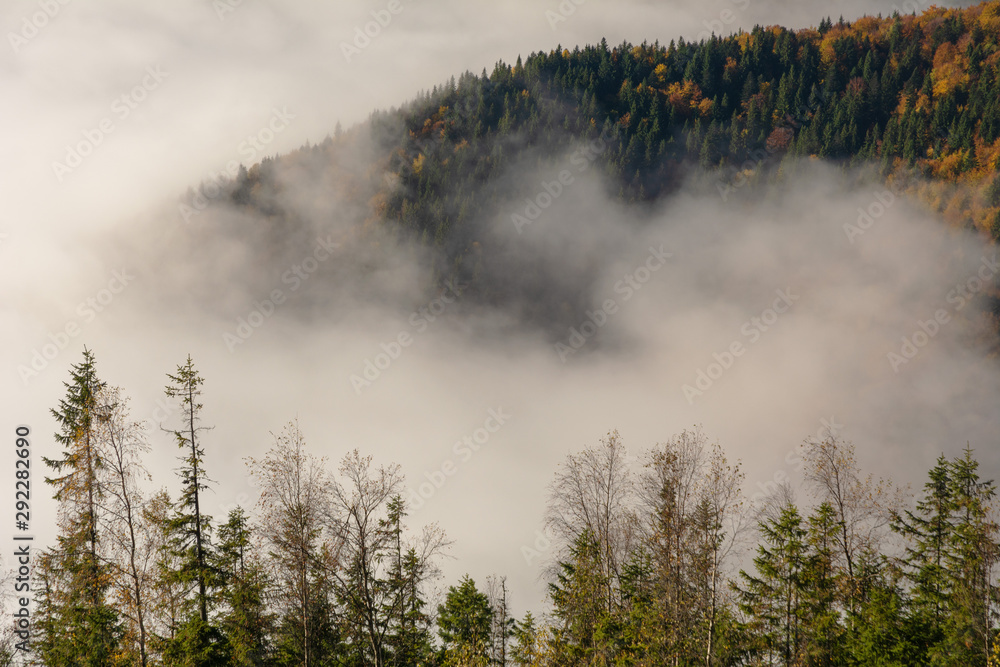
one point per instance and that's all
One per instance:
(658, 559)
(646, 558)
(919, 96)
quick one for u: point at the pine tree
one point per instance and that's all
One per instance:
(528, 637)
(992, 193)
(464, 621)
(76, 623)
(928, 532)
(773, 598)
(198, 641)
(579, 602)
(245, 620)
(412, 643)
(969, 625)
(822, 584)
(410, 640)
(880, 631)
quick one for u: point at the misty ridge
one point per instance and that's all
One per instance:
(433, 184)
(812, 228)
(867, 278)
(751, 233)
(557, 245)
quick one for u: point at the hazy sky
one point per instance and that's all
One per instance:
(113, 109)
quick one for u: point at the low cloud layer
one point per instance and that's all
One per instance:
(830, 303)
(832, 299)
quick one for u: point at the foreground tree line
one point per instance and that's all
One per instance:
(666, 563)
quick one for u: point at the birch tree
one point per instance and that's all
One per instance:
(670, 491)
(862, 506)
(167, 594)
(363, 544)
(594, 494)
(128, 534)
(295, 495)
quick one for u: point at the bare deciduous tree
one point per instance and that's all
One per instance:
(862, 505)
(502, 625)
(128, 535)
(721, 525)
(365, 539)
(594, 492)
(295, 494)
(694, 518)
(669, 490)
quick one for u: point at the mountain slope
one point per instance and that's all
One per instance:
(917, 96)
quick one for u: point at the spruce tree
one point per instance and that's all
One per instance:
(772, 599)
(245, 619)
(579, 600)
(928, 533)
(970, 564)
(198, 641)
(822, 590)
(77, 624)
(464, 624)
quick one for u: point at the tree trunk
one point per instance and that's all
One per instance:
(202, 594)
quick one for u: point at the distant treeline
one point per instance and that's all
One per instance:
(915, 96)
